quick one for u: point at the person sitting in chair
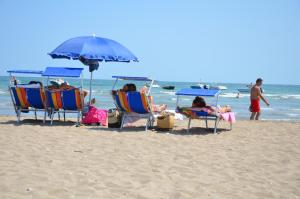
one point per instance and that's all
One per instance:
(155, 107)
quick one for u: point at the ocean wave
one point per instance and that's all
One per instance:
(294, 109)
(283, 96)
(280, 119)
(267, 108)
(2, 92)
(293, 114)
(168, 92)
(234, 95)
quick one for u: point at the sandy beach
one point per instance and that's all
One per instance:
(254, 160)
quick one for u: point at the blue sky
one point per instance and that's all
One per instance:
(213, 41)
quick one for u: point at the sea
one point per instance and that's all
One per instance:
(284, 99)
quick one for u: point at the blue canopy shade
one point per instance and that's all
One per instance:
(93, 48)
(198, 92)
(132, 78)
(38, 72)
(62, 72)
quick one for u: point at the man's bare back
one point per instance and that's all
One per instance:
(255, 92)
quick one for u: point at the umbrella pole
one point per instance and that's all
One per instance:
(90, 94)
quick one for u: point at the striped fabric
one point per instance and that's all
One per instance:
(20, 97)
(55, 100)
(36, 97)
(133, 102)
(78, 99)
(71, 99)
(122, 101)
(29, 97)
(189, 112)
(65, 99)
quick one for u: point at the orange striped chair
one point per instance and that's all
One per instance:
(66, 101)
(27, 99)
(134, 102)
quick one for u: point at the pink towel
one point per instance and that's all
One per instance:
(229, 117)
(95, 115)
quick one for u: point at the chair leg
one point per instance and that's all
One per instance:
(78, 116)
(35, 116)
(148, 123)
(152, 120)
(58, 114)
(122, 122)
(51, 116)
(216, 124)
(64, 116)
(18, 115)
(45, 113)
(206, 122)
(189, 125)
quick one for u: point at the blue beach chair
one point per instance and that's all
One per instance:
(65, 101)
(134, 104)
(27, 97)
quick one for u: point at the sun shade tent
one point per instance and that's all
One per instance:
(134, 103)
(25, 97)
(201, 114)
(66, 101)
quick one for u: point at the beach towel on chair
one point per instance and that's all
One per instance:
(203, 112)
(95, 115)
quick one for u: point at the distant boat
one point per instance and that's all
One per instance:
(245, 90)
(200, 86)
(169, 87)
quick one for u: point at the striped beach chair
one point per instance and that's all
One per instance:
(65, 101)
(133, 104)
(27, 99)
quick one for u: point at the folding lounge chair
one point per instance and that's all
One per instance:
(28, 99)
(133, 104)
(201, 114)
(66, 101)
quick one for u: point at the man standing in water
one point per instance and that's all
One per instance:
(255, 95)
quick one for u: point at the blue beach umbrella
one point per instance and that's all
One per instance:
(91, 50)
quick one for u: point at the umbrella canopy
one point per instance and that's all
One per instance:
(93, 48)
(90, 50)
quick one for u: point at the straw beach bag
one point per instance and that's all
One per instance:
(165, 121)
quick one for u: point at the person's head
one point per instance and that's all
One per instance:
(125, 88)
(259, 81)
(131, 87)
(199, 102)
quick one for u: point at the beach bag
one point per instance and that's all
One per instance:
(165, 121)
(114, 118)
(95, 116)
